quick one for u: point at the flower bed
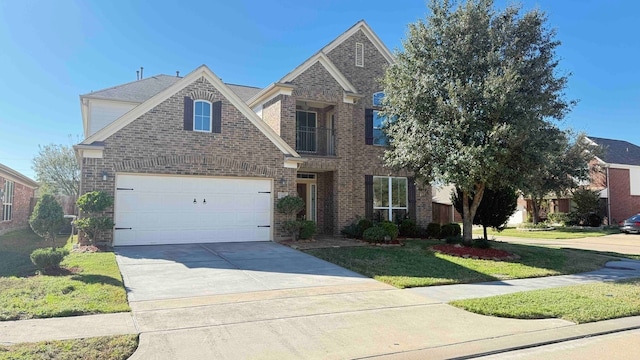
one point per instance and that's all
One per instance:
(474, 253)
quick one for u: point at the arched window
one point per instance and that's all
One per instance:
(202, 116)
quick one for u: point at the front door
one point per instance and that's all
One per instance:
(307, 190)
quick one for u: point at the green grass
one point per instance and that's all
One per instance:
(558, 233)
(93, 286)
(580, 304)
(99, 348)
(413, 265)
(15, 248)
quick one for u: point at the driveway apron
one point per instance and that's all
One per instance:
(160, 272)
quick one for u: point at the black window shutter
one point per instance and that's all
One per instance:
(216, 120)
(368, 196)
(411, 194)
(188, 113)
(368, 126)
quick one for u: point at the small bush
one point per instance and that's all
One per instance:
(48, 259)
(350, 231)
(452, 229)
(390, 229)
(594, 220)
(375, 234)
(433, 230)
(363, 224)
(307, 229)
(481, 243)
(454, 239)
(408, 228)
(421, 232)
(290, 205)
(558, 218)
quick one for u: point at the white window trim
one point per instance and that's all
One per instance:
(361, 57)
(7, 202)
(390, 206)
(210, 115)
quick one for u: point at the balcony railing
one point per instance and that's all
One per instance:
(315, 140)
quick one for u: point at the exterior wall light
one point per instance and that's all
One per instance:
(104, 175)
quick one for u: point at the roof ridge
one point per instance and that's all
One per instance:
(127, 83)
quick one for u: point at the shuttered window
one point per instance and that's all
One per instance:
(202, 115)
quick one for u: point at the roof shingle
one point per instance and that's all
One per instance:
(618, 151)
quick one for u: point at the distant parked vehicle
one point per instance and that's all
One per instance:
(632, 224)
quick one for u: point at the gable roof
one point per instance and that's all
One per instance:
(17, 176)
(135, 91)
(368, 32)
(618, 151)
(140, 91)
(202, 71)
(321, 58)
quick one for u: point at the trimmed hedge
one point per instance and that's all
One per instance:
(48, 259)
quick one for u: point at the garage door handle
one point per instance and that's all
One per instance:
(264, 225)
(123, 228)
(124, 188)
(264, 192)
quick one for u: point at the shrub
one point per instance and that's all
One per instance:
(350, 231)
(363, 224)
(408, 228)
(481, 243)
(374, 234)
(452, 229)
(47, 218)
(48, 259)
(390, 229)
(307, 229)
(433, 230)
(558, 218)
(92, 204)
(454, 239)
(290, 205)
(594, 220)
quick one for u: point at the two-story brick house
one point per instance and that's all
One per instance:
(193, 159)
(16, 197)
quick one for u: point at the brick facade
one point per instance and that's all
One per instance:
(623, 204)
(21, 206)
(155, 143)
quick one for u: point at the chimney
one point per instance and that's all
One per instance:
(177, 73)
(141, 70)
(137, 74)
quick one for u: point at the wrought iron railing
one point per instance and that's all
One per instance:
(316, 140)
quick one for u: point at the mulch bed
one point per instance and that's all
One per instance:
(474, 253)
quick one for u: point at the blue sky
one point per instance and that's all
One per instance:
(53, 51)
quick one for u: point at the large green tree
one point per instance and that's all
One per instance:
(494, 210)
(564, 165)
(57, 169)
(469, 95)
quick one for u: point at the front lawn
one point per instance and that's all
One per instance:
(99, 348)
(92, 285)
(580, 303)
(558, 233)
(414, 265)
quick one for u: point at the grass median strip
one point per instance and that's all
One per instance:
(414, 265)
(99, 348)
(92, 285)
(580, 303)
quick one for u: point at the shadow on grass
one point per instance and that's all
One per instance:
(97, 279)
(13, 263)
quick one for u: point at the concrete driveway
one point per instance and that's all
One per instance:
(183, 271)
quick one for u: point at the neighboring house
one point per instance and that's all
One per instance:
(193, 159)
(619, 181)
(16, 195)
(442, 207)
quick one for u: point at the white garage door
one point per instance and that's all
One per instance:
(181, 210)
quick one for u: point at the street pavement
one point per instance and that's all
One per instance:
(618, 243)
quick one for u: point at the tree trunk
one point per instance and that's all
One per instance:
(469, 212)
(536, 210)
(484, 229)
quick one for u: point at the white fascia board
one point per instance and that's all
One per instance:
(293, 163)
(328, 65)
(368, 32)
(201, 71)
(269, 93)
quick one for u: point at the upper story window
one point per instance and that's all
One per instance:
(202, 116)
(379, 137)
(360, 54)
(7, 202)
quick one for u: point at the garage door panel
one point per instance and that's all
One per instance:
(160, 210)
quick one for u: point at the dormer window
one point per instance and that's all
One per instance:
(202, 116)
(359, 54)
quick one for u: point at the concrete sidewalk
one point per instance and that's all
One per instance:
(334, 322)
